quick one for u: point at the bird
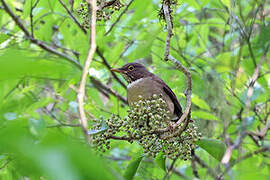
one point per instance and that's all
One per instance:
(145, 84)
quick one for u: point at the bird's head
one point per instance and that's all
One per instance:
(133, 71)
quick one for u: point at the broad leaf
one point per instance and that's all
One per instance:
(214, 147)
(203, 115)
(133, 166)
(199, 102)
(161, 161)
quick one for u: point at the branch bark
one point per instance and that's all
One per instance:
(261, 150)
(72, 17)
(108, 89)
(81, 90)
(119, 17)
(227, 156)
(179, 66)
(105, 62)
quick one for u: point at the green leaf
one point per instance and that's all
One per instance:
(264, 36)
(214, 147)
(50, 156)
(226, 3)
(204, 115)
(20, 63)
(37, 126)
(3, 37)
(224, 62)
(161, 160)
(199, 102)
(133, 166)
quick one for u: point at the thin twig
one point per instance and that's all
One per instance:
(228, 153)
(31, 16)
(186, 113)
(204, 165)
(63, 125)
(119, 17)
(178, 173)
(5, 164)
(73, 17)
(263, 131)
(81, 90)
(170, 168)
(254, 79)
(168, 20)
(187, 92)
(193, 165)
(263, 149)
(98, 84)
(179, 66)
(105, 62)
(125, 138)
(227, 156)
(85, 32)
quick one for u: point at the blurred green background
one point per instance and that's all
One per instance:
(221, 42)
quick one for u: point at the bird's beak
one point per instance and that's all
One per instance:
(117, 70)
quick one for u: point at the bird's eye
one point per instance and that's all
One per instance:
(130, 68)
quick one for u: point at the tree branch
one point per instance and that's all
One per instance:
(179, 66)
(168, 20)
(105, 62)
(33, 6)
(264, 149)
(119, 17)
(169, 169)
(81, 90)
(85, 32)
(73, 17)
(39, 43)
(254, 79)
(204, 165)
(227, 156)
(108, 89)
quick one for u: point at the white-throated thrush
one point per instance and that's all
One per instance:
(143, 83)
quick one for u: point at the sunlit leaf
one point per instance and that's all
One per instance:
(227, 3)
(199, 102)
(161, 161)
(133, 166)
(264, 36)
(203, 115)
(214, 147)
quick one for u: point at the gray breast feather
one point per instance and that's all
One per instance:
(146, 87)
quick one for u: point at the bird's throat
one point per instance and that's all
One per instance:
(134, 83)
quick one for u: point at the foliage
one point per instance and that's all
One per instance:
(43, 47)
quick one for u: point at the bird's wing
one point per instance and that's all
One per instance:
(177, 106)
(170, 93)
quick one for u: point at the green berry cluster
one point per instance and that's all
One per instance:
(105, 129)
(104, 12)
(182, 145)
(145, 118)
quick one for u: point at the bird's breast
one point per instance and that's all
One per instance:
(146, 87)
